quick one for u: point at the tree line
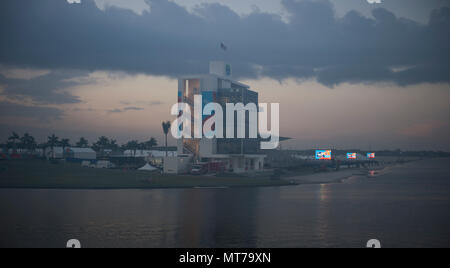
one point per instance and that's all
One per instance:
(29, 143)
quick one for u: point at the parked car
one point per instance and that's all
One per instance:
(86, 163)
(198, 169)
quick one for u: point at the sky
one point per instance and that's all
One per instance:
(418, 10)
(347, 74)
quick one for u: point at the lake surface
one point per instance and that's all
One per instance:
(405, 206)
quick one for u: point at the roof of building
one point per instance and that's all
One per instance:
(281, 139)
(81, 150)
(161, 148)
(148, 153)
(201, 76)
(226, 156)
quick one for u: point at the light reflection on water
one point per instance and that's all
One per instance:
(323, 213)
(406, 207)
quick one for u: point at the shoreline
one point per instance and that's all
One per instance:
(282, 183)
(344, 174)
(323, 177)
(68, 176)
(44, 176)
(310, 179)
(334, 176)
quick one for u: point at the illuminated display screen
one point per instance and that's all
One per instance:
(371, 155)
(351, 156)
(323, 154)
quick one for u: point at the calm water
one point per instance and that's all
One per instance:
(408, 206)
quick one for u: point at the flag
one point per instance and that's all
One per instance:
(223, 46)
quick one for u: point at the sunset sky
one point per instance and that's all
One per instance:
(347, 74)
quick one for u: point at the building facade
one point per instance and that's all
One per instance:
(237, 155)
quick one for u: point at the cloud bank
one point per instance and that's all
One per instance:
(43, 114)
(170, 41)
(44, 89)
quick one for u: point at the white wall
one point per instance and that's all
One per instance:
(177, 165)
(210, 83)
(208, 147)
(86, 156)
(240, 165)
(219, 68)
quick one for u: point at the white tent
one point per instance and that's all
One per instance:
(148, 167)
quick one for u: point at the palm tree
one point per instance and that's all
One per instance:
(28, 142)
(150, 144)
(52, 142)
(166, 128)
(133, 146)
(101, 145)
(23, 141)
(82, 143)
(65, 143)
(113, 145)
(141, 146)
(14, 138)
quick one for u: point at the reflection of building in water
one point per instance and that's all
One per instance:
(218, 218)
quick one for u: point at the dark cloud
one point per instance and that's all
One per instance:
(9, 109)
(171, 41)
(46, 89)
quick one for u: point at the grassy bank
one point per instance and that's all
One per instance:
(43, 175)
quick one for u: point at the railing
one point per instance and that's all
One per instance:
(188, 147)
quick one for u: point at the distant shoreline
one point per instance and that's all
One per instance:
(283, 184)
(337, 176)
(323, 177)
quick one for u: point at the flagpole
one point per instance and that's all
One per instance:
(224, 50)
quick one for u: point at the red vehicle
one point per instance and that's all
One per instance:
(16, 156)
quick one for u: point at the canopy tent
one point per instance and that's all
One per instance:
(148, 167)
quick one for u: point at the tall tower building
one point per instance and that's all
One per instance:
(239, 155)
